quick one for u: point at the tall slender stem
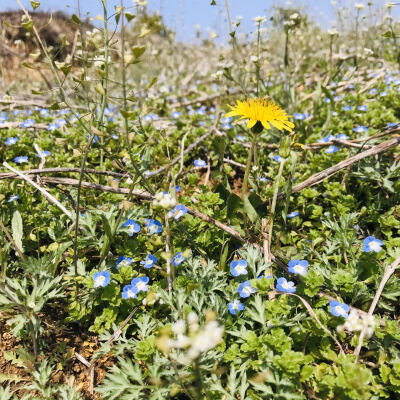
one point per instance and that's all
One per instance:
(248, 165)
(273, 207)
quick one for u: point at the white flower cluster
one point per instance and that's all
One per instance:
(356, 323)
(164, 200)
(190, 337)
(259, 20)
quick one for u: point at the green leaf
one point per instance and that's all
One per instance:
(138, 51)
(35, 4)
(152, 82)
(28, 25)
(75, 19)
(233, 204)
(388, 34)
(17, 229)
(129, 16)
(249, 209)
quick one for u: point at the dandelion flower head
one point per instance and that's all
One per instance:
(264, 111)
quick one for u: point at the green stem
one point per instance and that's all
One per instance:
(248, 165)
(274, 199)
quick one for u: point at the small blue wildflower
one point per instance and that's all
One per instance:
(11, 140)
(293, 214)
(61, 122)
(285, 286)
(371, 243)
(298, 267)
(299, 116)
(114, 136)
(21, 159)
(28, 123)
(350, 86)
(346, 108)
(373, 91)
(101, 278)
(226, 127)
(241, 138)
(362, 108)
(238, 267)
(177, 259)
(327, 100)
(124, 261)
(44, 112)
(13, 198)
(331, 149)
(235, 307)
(342, 136)
(383, 94)
(52, 126)
(326, 139)
(176, 114)
(360, 129)
(149, 261)
(140, 284)
(200, 111)
(389, 125)
(128, 292)
(226, 120)
(3, 117)
(43, 153)
(339, 309)
(200, 163)
(153, 226)
(277, 158)
(263, 179)
(131, 227)
(177, 212)
(245, 289)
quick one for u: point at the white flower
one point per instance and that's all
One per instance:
(254, 58)
(359, 6)
(179, 327)
(164, 200)
(333, 32)
(390, 4)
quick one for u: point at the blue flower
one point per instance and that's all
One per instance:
(331, 149)
(178, 211)
(299, 116)
(235, 307)
(3, 117)
(44, 112)
(153, 226)
(21, 159)
(241, 138)
(263, 179)
(383, 94)
(371, 243)
(11, 140)
(392, 124)
(342, 136)
(360, 129)
(128, 292)
(124, 261)
(339, 309)
(140, 284)
(245, 289)
(298, 267)
(28, 123)
(326, 139)
(327, 100)
(101, 278)
(149, 261)
(362, 108)
(293, 214)
(13, 198)
(200, 163)
(226, 120)
(177, 259)
(176, 114)
(52, 126)
(131, 227)
(226, 127)
(114, 136)
(238, 267)
(61, 122)
(350, 86)
(285, 286)
(43, 153)
(277, 158)
(346, 108)
(373, 91)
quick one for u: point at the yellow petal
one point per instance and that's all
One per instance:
(266, 125)
(251, 123)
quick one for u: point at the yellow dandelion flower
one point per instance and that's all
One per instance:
(262, 111)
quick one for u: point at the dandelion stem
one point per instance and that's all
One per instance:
(248, 165)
